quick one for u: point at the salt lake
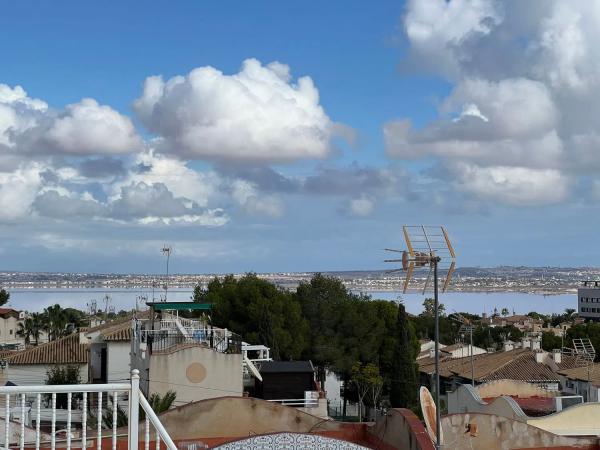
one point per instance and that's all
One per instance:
(472, 302)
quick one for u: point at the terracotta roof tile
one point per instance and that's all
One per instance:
(581, 373)
(120, 332)
(517, 364)
(67, 350)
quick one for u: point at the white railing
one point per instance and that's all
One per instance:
(80, 399)
(298, 402)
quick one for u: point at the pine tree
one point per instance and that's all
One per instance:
(403, 389)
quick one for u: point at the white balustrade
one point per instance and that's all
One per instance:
(79, 405)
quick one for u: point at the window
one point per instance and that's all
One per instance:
(10, 331)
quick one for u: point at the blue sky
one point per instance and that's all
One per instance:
(475, 114)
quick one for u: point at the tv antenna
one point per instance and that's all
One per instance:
(107, 304)
(92, 307)
(466, 327)
(428, 249)
(167, 250)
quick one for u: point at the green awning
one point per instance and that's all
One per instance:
(179, 306)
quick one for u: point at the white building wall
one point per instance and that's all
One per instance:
(33, 374)
(588, 302)
(8, 331)
(466, 351)
(119, 361)
(196, 373)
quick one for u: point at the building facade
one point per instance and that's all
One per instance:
(588, 300)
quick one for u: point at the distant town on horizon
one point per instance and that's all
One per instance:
(547, 280)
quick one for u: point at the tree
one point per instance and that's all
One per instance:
(367, 380)
(37, 325)
(54, 322)
(162, 403)
(550, 341)
(62, 375)
(24, 330)
(158, 403)
(259, 311)
(505, 312)
(403, 389)
(429, 308)
(4, 296)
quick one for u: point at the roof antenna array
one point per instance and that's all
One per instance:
(423, 245)
(428, 250)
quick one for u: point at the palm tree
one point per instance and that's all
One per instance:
(160, 403)
(37, 327)
(24, 330)
(31, 328)
(54, 322)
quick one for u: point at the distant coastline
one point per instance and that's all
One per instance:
(527, 280)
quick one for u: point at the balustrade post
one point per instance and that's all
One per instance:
(134, 409)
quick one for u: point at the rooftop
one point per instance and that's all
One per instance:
(66, 350)
(286, 367)
(582, 374)
(516, 364)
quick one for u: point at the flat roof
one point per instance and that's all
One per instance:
(286, 367)
(178, 306)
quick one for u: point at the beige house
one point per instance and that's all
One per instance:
(9, 324)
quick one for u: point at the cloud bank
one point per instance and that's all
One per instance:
(520, 123)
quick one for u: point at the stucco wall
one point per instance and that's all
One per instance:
(465, 399)
(491, 432)
(400, 429)
(578, 420)
(513, 388)
(14, 434)
(6, 325)
(196, 373)
(236, 417)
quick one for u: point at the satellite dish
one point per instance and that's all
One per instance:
(428, 409)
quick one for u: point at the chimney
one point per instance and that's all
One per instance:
(525, 343)
(539, 356)
(536, 344)
(557, 355)
(432, 353)
(508, 346)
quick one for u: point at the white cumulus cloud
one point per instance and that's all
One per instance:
(525, 102)
(258, 114)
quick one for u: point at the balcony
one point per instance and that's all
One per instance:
(80, 416)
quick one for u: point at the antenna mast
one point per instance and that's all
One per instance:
(167, 250)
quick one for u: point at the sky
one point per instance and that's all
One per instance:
(271, 137)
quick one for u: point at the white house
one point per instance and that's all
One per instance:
(29, 367)
(110, 351)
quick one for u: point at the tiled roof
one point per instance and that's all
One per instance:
(567, 362)
(120, 332)
(67, 350)
(517, 364)
(525, 368)
(8, 312)
(581, 373)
